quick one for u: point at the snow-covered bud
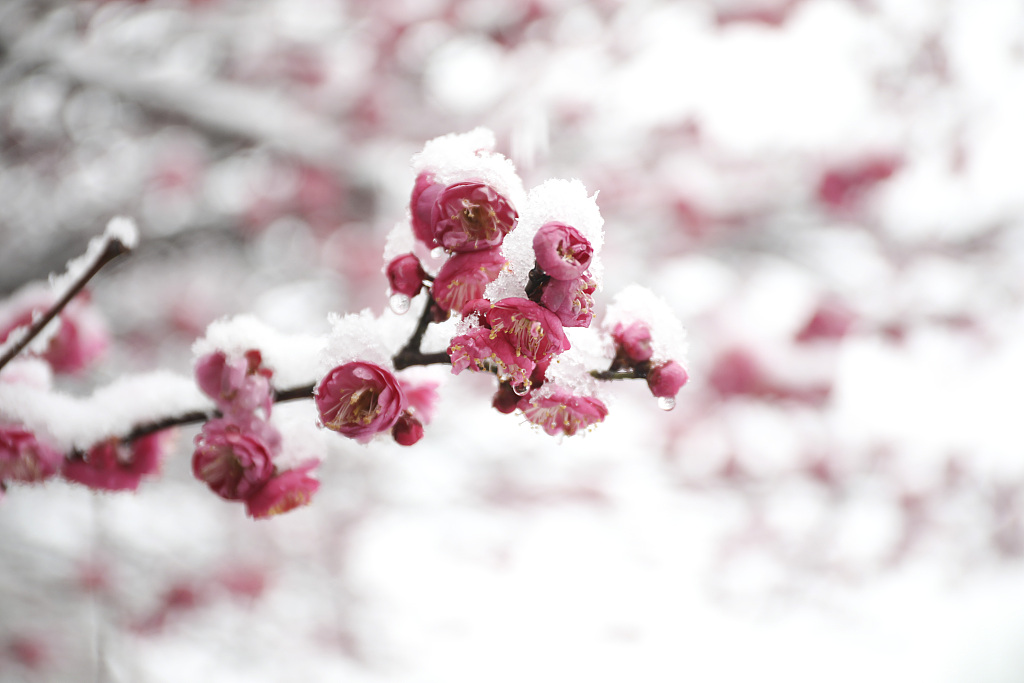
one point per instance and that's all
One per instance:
(23, 457)
(407, 430)
(559, 411)
(471, 216)
(237, 385)
(234, 459)
(464, 277)
(359, 400)
(282, 492)
(667, 379)
(561, 251)
(633, 342)
(406, 275)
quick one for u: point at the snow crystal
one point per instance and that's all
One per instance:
(400, 240)
(560, 200)
(366, 337)
(33, 372)
(469, 156)
(124, 230)
(113, 410)
(292, 357)
(637, 303)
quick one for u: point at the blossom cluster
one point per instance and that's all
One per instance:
(517, 272)
(238, 455)
(506, 276)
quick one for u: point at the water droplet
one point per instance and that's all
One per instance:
(437, 252)
(399, 303)
(666, 402)
(521, 389)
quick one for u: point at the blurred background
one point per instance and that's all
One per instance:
(828, 193)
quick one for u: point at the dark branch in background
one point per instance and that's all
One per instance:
(111, 250)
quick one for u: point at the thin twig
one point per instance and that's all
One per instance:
(113, 248)
(199, 416)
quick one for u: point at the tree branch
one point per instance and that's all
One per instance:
(111, 250)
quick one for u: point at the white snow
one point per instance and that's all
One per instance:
(292, 357)
(469, 156)
(111, 410)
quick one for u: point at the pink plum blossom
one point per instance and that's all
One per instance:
(112, 465)
(23, 457)
(464, 277)
(405, 275)
(359, 400)
(516, 335)
(561, 251)
(559, 411)
(238, 385)
(633, 343)
(234, 459)
(571, 300)
(471, 216)
(283, 492)
(667, 379)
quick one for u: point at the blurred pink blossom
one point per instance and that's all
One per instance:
(283, 492)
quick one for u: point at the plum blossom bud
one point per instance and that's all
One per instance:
(667, 379)
(406, 275)
(471, 216)
(407, 430)
(234, 459)
(239, 386)
(359, 400)
(421, 204)
(559, 411)
(283, 492)
(561, 251)
(115, 466)
(25, 458)
(571, 300)
(633, 342)
(505, 400)
(464, 277)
